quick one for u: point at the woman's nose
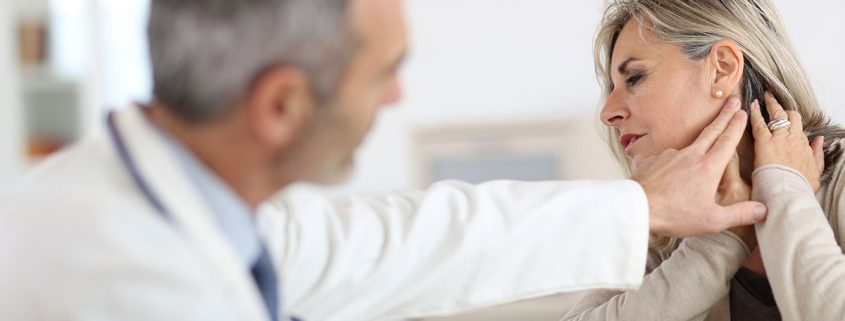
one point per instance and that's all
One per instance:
(614, 111)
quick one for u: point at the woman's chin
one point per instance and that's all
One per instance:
(638, 159)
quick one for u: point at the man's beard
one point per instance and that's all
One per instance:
(338, 173)
(322, 159)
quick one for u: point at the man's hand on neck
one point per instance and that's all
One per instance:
(681, 185)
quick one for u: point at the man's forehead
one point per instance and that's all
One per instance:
(378, 22)
(375, 13)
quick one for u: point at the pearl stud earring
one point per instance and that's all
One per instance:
(720, 93)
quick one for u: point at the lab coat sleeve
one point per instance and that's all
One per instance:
(454, 247)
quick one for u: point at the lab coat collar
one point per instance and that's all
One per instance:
(233, 216)
(159, 168)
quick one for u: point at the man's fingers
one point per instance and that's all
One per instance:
(758, 124)
(732, 171)
(739, 214)
(713, 131)
(726, 144)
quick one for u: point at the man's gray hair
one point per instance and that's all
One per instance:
(206, 54)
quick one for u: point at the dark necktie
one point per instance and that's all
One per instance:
(265, 278)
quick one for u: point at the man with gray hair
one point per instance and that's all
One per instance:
(163, 218)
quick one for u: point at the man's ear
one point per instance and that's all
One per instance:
(726, 64)
(280, 106)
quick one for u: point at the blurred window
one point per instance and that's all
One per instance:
(102, 43)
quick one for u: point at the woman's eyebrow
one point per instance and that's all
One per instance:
(623, 67)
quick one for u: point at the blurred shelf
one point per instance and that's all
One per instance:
(550, 308)
(51, 112)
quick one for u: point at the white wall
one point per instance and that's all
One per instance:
(11, 148)
(500, 59)
(471, 60)
(478, 61)
(817, 29)
(126, 78)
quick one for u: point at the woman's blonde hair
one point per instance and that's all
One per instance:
(694, 26)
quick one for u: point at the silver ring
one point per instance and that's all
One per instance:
(778, 124)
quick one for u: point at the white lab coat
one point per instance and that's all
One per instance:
(80, 241)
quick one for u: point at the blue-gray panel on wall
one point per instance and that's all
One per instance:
(482, 169)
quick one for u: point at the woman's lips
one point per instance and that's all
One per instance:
(627, 140)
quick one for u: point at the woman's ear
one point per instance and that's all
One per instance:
(726, 63)
(279, 108)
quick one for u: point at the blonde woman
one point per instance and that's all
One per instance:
(667, 66)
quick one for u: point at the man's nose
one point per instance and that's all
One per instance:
(393, 94)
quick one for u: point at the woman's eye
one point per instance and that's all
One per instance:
(633, 80)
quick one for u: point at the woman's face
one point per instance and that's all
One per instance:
(661, 98)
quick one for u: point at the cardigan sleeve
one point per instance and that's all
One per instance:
(804, 263)
(684, 287)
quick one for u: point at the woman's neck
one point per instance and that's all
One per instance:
(745, 150)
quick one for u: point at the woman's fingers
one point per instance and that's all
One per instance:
(776, 112)
(758, 124)
(818, 152)
(788, 147)
(796, 124)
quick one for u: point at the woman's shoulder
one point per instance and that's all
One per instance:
(835, 164)
(831, 195)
